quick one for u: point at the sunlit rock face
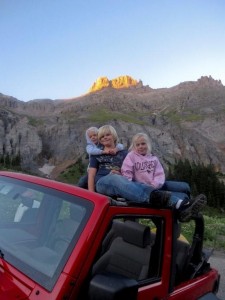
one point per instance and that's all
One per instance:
(116, 83)
(123, 82)
(100, 83)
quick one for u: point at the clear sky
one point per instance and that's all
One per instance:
(57, 48)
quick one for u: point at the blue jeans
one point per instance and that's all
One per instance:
(119, 186)
(177, 186)
(179, 189)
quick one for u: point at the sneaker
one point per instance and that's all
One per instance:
(159, 199)
(184, 204)
(193, 209)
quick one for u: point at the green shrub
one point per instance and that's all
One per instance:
(72, 174)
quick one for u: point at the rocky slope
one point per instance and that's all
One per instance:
(184, 121)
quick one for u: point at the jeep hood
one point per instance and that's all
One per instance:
(11, 287)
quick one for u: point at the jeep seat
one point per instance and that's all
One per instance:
(128, 254)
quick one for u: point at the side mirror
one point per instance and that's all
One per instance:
(112, 287)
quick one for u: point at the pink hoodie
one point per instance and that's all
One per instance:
(143, 168)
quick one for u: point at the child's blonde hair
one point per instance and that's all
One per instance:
(136, 137)
(92, 129)
(107, 129)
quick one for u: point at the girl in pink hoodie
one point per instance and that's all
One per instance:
(141, 165)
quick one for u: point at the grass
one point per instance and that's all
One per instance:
(34, 121)
(214, 236)
(103, 116)
(176, 117)
(215, 232)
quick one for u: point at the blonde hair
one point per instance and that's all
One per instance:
(136, 137)
(107, 129)
(92, 129)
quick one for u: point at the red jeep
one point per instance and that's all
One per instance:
(58, 241)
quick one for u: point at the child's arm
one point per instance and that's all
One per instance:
(159, 175)
(91, 179)
(127, 169)
(93, 150)
(93, 167)
(119, 147)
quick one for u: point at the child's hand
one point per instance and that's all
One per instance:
(113, 151)
(110, 151)
(115, 172)
(106, 152)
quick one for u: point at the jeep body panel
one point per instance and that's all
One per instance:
(83, 249)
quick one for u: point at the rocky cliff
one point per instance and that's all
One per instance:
(120, 82)
(184, 121)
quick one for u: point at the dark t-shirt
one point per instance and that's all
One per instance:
(105, 163)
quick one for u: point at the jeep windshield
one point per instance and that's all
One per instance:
(39, 227)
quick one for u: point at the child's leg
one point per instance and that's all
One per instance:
(177, 186)
(187, 207)
(178, 199)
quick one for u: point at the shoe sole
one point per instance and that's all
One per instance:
(193, 210)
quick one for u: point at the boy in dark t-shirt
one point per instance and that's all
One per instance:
(106, 163)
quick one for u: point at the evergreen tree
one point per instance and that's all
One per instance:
(7, 161)
(202, 179)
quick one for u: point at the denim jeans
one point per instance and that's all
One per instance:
(119, 186)
(179, 189)
(177, 186)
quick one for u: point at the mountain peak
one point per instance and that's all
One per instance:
(116, 83)
(208, 80)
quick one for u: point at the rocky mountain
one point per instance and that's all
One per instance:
(184, 121)
(117, 83)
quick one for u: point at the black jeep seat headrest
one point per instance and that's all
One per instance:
(136, 234)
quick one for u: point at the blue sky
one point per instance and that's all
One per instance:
(57, 48)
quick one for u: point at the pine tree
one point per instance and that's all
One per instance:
(202, 179)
